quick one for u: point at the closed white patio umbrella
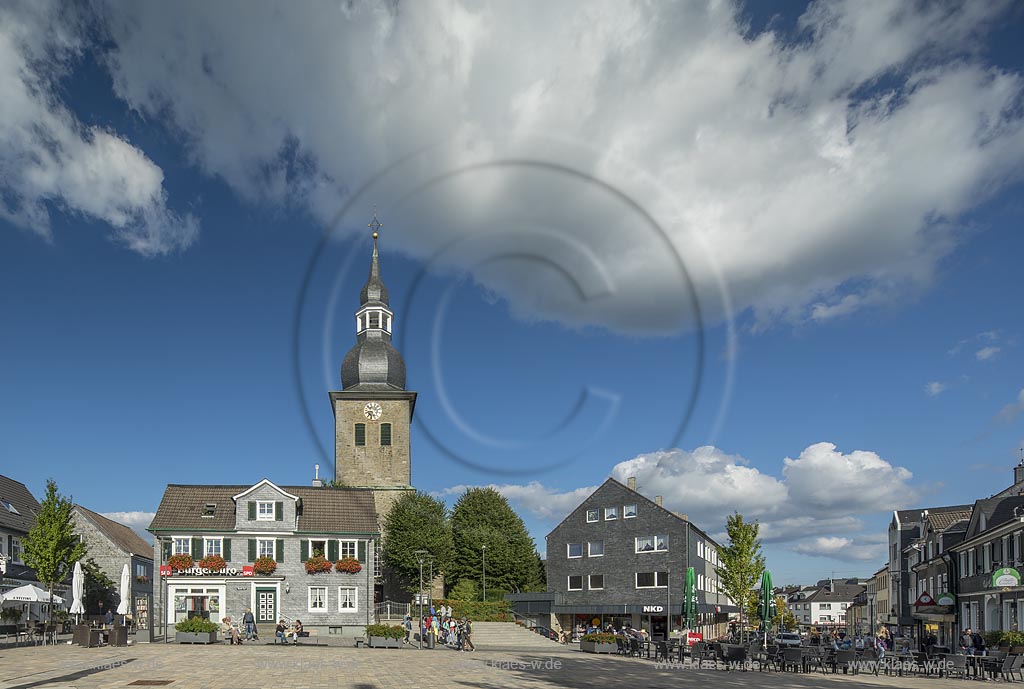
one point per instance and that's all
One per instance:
(77, 590)
(125, 592)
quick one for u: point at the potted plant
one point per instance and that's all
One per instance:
(599, 642)
(179, 562)
(1015, 640)
(348, 564)
(318, 564)
(264, 566)
(384, 635)
(993, 639)
(195, 631)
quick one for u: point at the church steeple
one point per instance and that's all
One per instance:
(373, 363)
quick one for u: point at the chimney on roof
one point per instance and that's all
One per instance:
(631, 482)
(681, 516)
(657, 500)
(1018, 471)
(317, 482)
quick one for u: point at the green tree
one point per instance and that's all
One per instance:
(538, 578)
(99, 588)
(417, 521)
(741, 563)
(483, 517)
(784, 617)
(51, 547)
(465, 590)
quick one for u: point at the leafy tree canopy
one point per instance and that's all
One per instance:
(483, 517)
(417, 521)
(51, 547)
(741, 562)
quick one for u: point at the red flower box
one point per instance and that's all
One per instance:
(180, 562)
(264, 565)
(348, 564)
(214, 562)
(318, 564)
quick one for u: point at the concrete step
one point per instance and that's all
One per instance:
(507, 635)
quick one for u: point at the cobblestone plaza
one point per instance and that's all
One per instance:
(273, 667)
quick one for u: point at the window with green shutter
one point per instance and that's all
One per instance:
(197, 548)
(304, 550)
(360, 434)
(279, 550)
(385, 434)
(227, 549)
(278, 511)
(332, 550)
(252, 510)
(362, 551)
(167, 550)
(252, 550)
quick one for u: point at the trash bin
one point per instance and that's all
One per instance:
(430, 640)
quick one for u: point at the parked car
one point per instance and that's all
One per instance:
(787, 639)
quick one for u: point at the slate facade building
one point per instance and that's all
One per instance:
(288, 524)
(621, 558)
(18, 509)
(112, 545)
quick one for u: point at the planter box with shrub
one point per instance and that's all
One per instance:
(599, 643)
(195, 631)
(385, 635)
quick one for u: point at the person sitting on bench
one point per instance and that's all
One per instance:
(281, 632)
(230, 630)
(297, 631)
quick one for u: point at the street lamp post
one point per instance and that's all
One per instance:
(430, 583)
(421, 554)
(484, 550)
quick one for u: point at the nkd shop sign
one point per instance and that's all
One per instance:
(246, 571)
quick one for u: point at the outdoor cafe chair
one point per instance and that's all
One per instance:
(661, 651)
(634, 648)
(772, 658)
(846, 659)
(955, 664)
(620, 645)
(793, 657)
(735, 655)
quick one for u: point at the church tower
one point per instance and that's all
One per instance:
(373, 410)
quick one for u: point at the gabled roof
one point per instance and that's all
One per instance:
(917, 515)
(24, 503)
(996, 511)
(948, 519)
(639, 497)
(842, 593)
(264, 482)
(123, 537)
(324, 510)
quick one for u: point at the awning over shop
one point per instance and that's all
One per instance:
(933, 617)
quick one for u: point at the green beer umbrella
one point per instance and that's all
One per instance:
(690, 599)
(767, 608)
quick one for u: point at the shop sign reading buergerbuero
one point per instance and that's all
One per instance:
(246, 571)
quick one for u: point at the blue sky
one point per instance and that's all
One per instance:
(841, 185)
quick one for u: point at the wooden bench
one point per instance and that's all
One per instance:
(310, 635)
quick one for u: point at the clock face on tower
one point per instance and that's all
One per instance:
(372, 411)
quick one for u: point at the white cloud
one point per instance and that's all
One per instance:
(50, 160)
(986, 353)
(986, 336)
(817, 177)
(1012, 410)
(818, 498)
(850, 549)
(935, 388)
(137, 520)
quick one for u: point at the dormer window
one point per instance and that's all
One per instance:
(210, 509)
(264, 511)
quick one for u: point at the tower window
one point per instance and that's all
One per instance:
(385, 434)
(360, 434)
(374, 319)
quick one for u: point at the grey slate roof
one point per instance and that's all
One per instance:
(324, 510)
(124, 537)
(15, 493)
(945, 520)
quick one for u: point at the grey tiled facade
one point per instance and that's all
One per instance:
(624, 562)
(293, 527)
